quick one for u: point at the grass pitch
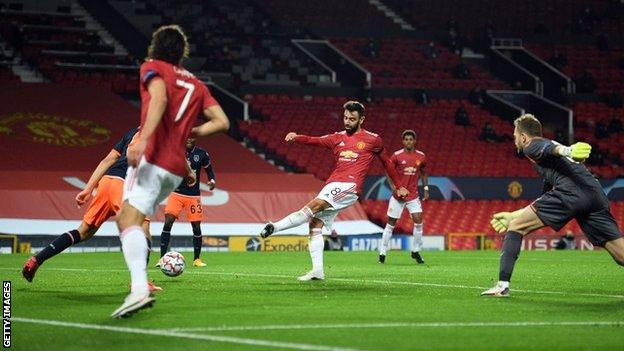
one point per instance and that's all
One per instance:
(252, 301)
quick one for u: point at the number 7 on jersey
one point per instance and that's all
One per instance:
(187, 97)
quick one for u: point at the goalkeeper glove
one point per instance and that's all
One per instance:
(578, 151)
(500, 221)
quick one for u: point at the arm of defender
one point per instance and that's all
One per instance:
(155, 111)
(97, 174)
(217, 122)
(212, 179)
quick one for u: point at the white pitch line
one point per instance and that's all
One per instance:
(404, 325)
(183, 335)
(364, 281)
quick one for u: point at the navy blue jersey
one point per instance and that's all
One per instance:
(559, 172)
(119, 168)
(198, 159)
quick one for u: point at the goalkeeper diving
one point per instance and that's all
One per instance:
(570, 192)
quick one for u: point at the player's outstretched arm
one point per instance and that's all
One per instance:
(155, 111)
(217, 122)
(392, 173)
(97, 174)
(577, 151)
(325, 140)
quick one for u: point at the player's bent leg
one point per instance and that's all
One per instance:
(315, 247)
(417, 234)
(616, 250)
(197, 244)
(525, 223)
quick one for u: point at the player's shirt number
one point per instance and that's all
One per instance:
(187, 97)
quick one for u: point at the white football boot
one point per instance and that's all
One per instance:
(499, 290)
(311, 275)
(133, 303)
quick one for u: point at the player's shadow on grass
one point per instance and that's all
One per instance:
(79, 296)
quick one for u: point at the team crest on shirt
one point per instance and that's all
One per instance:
(55, 130)
(196, 158)
(361, 145)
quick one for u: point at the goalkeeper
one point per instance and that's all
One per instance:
(571, 192)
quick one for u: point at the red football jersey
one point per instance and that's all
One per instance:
(353, 154)
(186, 98)
(408, 165)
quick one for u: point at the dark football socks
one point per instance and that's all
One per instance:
(511, 251)
(57, 246)
(165, 237)
(197, 244)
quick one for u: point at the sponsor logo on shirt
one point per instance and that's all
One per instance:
(410, 170)
(348, 155)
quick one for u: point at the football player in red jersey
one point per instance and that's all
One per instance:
(171, 99)
(409, 163)
(354, 150)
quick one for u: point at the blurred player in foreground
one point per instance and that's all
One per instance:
(354, 150)
(574, 194)
(108, 177)
(171, 99)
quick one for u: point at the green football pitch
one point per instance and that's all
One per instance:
(252, 301)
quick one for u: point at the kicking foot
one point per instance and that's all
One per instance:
(134, 303)
(30, 268)
(268, 230)
(417, 257)
(499, 290)
(311, 275)
(198, 263)
(382, 258)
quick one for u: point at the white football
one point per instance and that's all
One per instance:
(172, 264)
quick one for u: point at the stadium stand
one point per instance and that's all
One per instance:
(404, 63)
(452, 150)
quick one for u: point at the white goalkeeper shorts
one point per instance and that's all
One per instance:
(340, 196)
(395, 207)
